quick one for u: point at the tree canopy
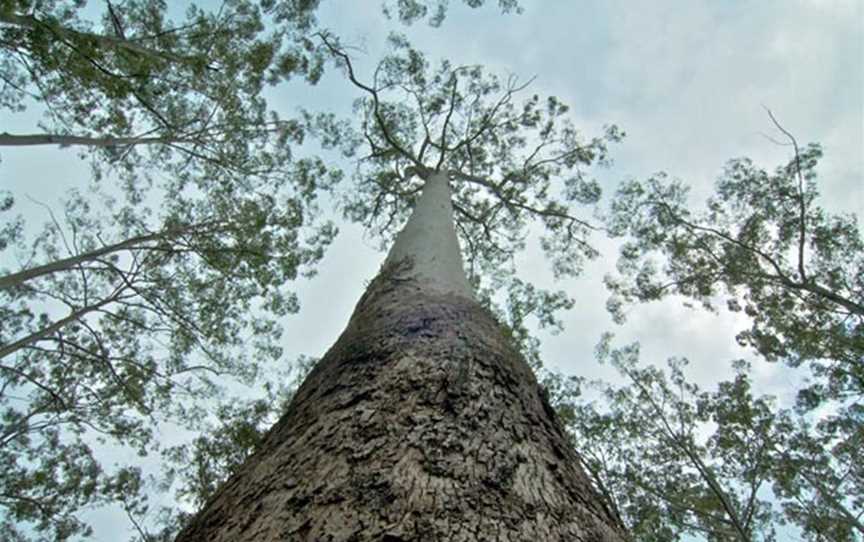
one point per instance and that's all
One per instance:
(731, 463)
(725, 464)
(148, 92)
(435, 11)
(167, 273)
(765, 247)
(513, 166)
(153, 284)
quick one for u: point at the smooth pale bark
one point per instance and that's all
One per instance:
(421, 423)
(429, 241)
(24, 140)
(20, 277)
(36, 25)
(77, 314)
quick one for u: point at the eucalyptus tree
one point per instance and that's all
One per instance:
(113, 319)
(516, 169)
(721, 464)
(423, 421)
(764, 247)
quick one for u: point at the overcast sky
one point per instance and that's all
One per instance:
(687, 81)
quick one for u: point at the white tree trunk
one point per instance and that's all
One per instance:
(429, 241)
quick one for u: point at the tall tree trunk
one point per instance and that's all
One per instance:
(421, 423)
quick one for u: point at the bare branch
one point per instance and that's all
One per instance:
(379, 119)
(443, 144)
(802, 206)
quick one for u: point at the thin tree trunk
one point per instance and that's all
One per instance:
(23, 140)
(53, 327)
(32, 23)
(20, 277)
(421, 423)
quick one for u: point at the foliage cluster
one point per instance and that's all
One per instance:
(164, 276)
(732, 464)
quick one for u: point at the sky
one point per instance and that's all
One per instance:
(686, 80)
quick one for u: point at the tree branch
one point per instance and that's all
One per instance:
(18, 140)
(781, 276)
(8, 349)
(802, 209)
(379, 119)
(121, 43)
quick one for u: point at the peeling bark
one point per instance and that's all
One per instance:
(420, 423)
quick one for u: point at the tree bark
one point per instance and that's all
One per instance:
(118, 43)
(20, 277)
(24, 140)
(421, 423)
(50, 329)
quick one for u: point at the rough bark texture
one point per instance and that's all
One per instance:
(420, 423)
